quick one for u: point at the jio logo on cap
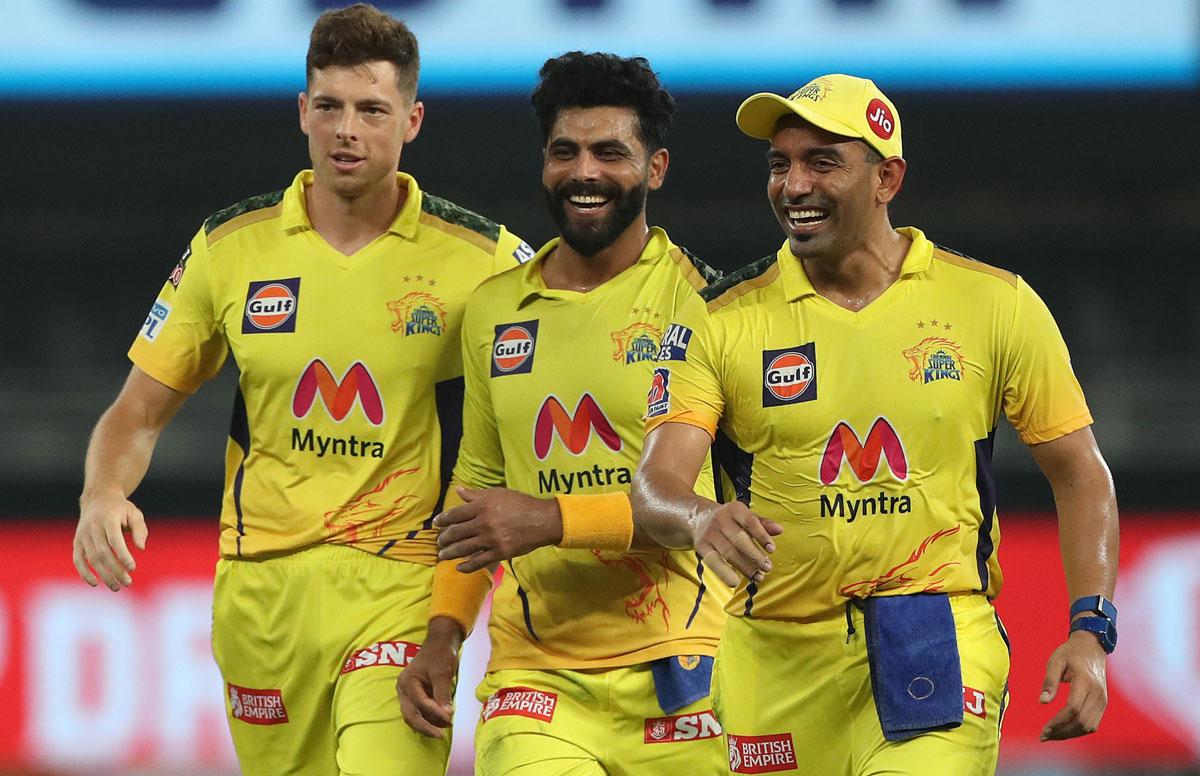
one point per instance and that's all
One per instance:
(880, 119)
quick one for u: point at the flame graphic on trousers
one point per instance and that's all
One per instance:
(372, 508)
(903, 575)
(641, 605)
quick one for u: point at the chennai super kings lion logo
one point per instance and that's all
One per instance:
(636, 342)
(815, 91)
(651, 576)
(908, 575)
(368, 513)
(418, 313)
(934, 358)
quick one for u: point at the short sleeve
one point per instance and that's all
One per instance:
(181, 344)
(1042, 397)
(480, 457)
(686, 387)
(510, 251)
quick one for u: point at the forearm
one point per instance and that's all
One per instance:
(1088, 529)
(119, 452)
(666, 507)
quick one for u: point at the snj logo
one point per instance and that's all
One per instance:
(575, 432)
(843, 443)
(338, 395)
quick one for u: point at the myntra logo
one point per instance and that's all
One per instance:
(574, 430)
(338, 395)
(863, 457)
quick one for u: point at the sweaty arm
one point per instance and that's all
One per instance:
(1088, 537)
(731, 540)
(117, 459)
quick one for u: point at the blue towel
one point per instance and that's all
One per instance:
(681, 680)
(915, 671)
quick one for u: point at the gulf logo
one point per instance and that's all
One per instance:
(512, 348)
(271, 306)
(789, 375)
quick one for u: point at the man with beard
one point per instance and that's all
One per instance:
(340, 298)
(601, 641)
(855, 380)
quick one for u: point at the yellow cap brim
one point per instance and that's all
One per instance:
(759, 113)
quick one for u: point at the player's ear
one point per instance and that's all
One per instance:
(659, 161)
(416, 116)
(302, 103)
(891, 179)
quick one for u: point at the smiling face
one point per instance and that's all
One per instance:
(824, 188)
(596, 174)
(357, 120)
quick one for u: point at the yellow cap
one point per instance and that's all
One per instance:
(841, 104)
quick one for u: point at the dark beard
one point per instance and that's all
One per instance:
(593, 238)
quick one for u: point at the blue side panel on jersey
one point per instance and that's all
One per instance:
(699, 593)
(448, 399)
(737, 463)
(524, 602)
(985, 483)
(239, 432)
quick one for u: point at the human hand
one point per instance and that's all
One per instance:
(496, 524)
(426, 685)
(734, 542)
(99, 547)
(1080, 661)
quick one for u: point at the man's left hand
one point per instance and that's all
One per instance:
(496, 524)
(1079, 661)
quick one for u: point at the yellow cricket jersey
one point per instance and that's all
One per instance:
(868, 435)
(555, 389)
(347, 411)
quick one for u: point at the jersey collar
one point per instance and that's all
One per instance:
(797, 285)
(532, 285)
(295, 215)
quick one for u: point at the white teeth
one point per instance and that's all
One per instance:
(588, 200)
(797, 214)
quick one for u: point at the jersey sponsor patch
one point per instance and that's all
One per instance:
(658, 400)
(177, 274)
(521, 702)
(789, 375)
(524, 252)
(573, 430)
(974, 702)
(383, 653)
(513, 348)
(864, 456)
(339, 396)
(155, 319)
(933, 359)
(762, 754)
(257, 707)
(635, 343)
(675, 343)
(271, 306)
(682, 727)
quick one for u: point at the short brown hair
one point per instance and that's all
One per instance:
(362, 33)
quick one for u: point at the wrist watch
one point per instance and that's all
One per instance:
(1102, 623)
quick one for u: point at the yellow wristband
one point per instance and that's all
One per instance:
(596, 522)
(457, 595)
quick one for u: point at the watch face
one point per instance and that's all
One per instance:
(1109, 638)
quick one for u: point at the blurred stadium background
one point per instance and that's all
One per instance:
(1055, 138)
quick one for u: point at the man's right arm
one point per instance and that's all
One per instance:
(730, 539)
(117, 458)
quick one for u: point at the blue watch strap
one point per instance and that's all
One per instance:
(1104, 629)
(1094, 603)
